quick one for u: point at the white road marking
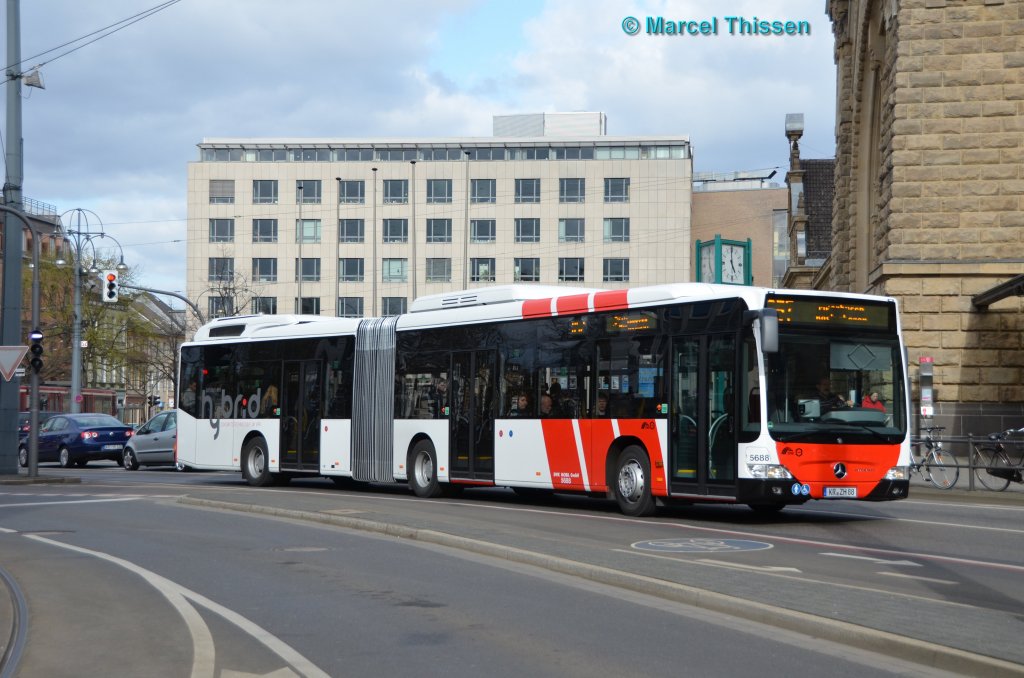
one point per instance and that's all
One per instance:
(204, 650)
(916, 578)
(73, 501)
(877, 561)
(743, 566)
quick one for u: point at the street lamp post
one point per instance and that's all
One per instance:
(81, 238)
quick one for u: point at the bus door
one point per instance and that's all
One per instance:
(472, 414)
(703, 424)
(300, 415)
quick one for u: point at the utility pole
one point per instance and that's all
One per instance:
(10, 320)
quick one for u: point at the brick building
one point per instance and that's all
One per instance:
(929, 189)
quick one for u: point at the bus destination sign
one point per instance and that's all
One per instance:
(810, 312)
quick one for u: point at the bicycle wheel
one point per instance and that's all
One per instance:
(993, 468)
(941, 469)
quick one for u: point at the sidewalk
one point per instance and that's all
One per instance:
(922, 489)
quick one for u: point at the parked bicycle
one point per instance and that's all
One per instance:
(937, 466)
(995, 464)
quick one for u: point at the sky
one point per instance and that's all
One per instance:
(120, 118)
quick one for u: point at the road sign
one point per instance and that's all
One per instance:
(10, 358)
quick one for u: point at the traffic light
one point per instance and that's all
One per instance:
(36, 349)
(151, 400)
(110, 286)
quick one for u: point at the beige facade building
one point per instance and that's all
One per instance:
(359, 227)
(740, 206)
(929, 189)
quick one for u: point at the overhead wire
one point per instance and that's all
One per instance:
(99, 35)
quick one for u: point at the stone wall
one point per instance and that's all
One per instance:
(929, 182)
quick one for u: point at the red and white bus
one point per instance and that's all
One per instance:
(674, 393)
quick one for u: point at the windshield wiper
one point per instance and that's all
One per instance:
(884, 437)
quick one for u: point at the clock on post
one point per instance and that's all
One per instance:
(724, 261)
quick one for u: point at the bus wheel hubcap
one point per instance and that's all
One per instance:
(631, 481)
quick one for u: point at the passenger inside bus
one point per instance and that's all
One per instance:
(555, 392)
(872, 401)
(547, 406)
(520, 406)
(601, 410)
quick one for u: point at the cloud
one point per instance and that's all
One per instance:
(120, 119)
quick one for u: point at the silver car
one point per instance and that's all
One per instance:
(153, 443)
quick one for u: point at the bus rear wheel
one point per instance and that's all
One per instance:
(255, 467)
(423, 470)
(632, 484)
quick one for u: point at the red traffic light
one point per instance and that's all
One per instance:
(111, 277)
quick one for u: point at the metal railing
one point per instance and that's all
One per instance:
(1012, 446)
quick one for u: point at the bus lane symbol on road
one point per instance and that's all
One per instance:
(701, 545)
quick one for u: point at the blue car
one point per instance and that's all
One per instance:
(77, 439)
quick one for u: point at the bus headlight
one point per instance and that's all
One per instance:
(769, 472)
(898, 473)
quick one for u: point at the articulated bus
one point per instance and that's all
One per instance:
(674, 393)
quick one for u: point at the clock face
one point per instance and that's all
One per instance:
(732, 264)
(707, 265)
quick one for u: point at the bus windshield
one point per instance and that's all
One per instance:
(825, 387)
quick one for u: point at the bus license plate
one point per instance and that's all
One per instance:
(841, 492)
(113, 447)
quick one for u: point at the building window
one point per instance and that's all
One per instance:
(527, 269)
(572, 190)
(222, 230)
(219, 307)
(264, 270)
(352, 192)
(350, 230)
(527, 190)
(570, 269)
(222, 269)
(394, 270)
(264, 191)
(396, 230)
(616, 270)
(439, 230)
(350, 307)
(527, 230)
(481, 269)
(392, 305)
(308, 191)
(616, 230)
(396, 191)
(483, 230)
(264, 230)
(350, 270)
(482, 190)
(307, 269)
(616, 190)
(267, 305)
(308, 306)
(307, 230)
(439, 191)
(439, 270)
(570, 230)
(222, 191)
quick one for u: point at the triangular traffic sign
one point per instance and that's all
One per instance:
(10, 358)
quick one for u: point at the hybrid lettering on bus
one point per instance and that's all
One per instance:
(675, 393)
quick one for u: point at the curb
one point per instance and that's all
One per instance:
(917, 651)
(39, 480)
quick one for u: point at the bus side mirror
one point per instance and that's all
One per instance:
(769, 318)
(770, 330)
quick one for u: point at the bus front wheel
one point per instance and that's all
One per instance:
(633, 482)
(255, 469)
(423, 470)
